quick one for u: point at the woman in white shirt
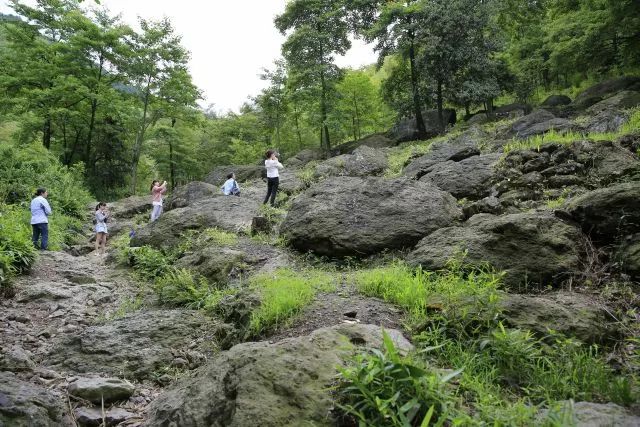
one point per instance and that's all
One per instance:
(273, 176)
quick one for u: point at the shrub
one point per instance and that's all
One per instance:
(383, 388)
(148, 262)
(17, 253)
(181, 287)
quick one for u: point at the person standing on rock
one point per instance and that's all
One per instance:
(157, 190)
(230, 187)
(40, 211)
(272, 164)
(102, 216)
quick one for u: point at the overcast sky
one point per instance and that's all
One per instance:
(230, 41)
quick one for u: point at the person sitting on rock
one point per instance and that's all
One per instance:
(272, 164)
(157, 190)
(102, 216)
(230, 187)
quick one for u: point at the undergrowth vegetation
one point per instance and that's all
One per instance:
(22, 170)
(535, 142)
(469, 368)
(284, 294)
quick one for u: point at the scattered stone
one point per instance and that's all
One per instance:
(38, 291)
(285, 383)
(15, 359)
(93, 417)
(354, 216)
(96, 389)
(24, 404)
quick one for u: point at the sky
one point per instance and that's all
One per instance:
(230, 42)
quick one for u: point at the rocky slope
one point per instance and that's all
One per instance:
(557, 218)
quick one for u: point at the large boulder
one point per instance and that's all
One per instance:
(213, 262)
(228, 213)
(556, 101)
(354, 216)
(285, 383)
(303, 157)
(620, 101)
(218, 175)
(455, 150)
(469, 178)
(377, 140)
(606, 89)
(130, 206)
(537, 123)
(608, 213)
(24, 404)
(186, 195)
(533, 248)
(365, 161)
(569, 313)
(407, 129)
(512, 110)
(137, 345)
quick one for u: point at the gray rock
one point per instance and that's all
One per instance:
(512, 110)
(608, 213)
(42, 291)
(571, 314)
(605, 121)
(537, 116)
(608, 88)
(193, 192)
(23, 404)
(92, 417)
(377, 140)
(627, 256)
(557, 124)
(556, 101)
(455, 150)
(214, 263)
(97, 389)
(228, 213)
(134, 346)
(218, 175)
(532, 248)
(303, 157)
(407, 129)
(129, 207)
(286, 383)
(290, 183)
(489, 205)
(589, 414)
(354, 216)
(470, 178)
(365, 161)
(15, 359)
(619, 101)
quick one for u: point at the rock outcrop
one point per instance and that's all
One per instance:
(534, 249)
(354, 216)
(286, 383)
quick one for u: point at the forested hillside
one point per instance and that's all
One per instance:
(121, 101)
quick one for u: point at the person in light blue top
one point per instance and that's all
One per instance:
(40, 211)
(102, 216)
(230, 187)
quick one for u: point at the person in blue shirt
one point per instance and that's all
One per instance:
(230, 187)
(40, 211)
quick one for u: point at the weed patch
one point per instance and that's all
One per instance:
(284, 294)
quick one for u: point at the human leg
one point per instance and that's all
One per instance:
(155, 213)
(35, 235)
(274, 189)
(269, 190)
(44, 232)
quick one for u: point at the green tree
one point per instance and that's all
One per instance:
(319, 30)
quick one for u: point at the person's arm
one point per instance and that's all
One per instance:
(100, 217)
(163, 188)
(46, 207)
(278, 164)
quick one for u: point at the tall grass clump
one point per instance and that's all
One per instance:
(418, 291)
(283, 294)
(400, 156)
(384, 388)
(17, 253)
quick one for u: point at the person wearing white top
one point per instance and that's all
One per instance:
(40, 211)
(273, 166)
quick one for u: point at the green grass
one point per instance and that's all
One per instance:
(284, 294)
(400, 156)
(535, 142)
(418, 291)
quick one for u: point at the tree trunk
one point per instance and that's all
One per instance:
(94, 108)
(324, 129)
(46, 133)
(439, 100)
(357, 116)
(417, 107)
(137, 148)
(172, 168)
(466, 109)
(295, 116)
